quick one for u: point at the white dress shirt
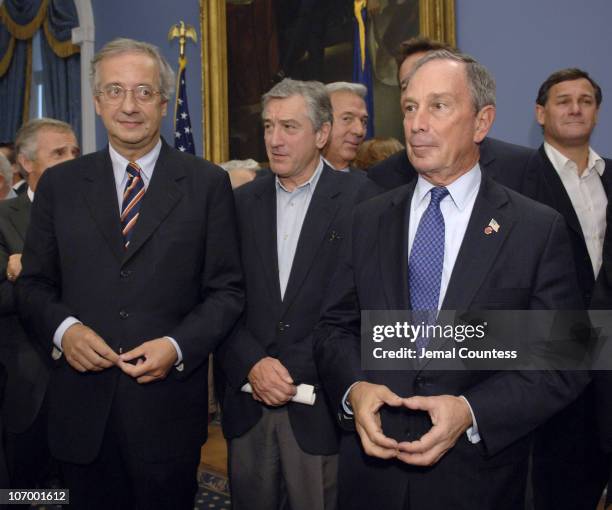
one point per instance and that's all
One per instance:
(119, 163)
(291, 209)
(588, 197)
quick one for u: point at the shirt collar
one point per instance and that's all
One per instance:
(345, 169)
(460, 190)
(312, 182)
(30, 194)
(146, 162)
(559, 161)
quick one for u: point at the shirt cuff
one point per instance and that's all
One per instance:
(346, 406)
(472, 433)
(61, 329)
(179, 354)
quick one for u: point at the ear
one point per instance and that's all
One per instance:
(25, 163)
(96, 100)
(322, 135)
(164, 107)
(540, 114)
(484, 121)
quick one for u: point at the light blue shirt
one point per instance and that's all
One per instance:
(119, 163)
(456, 209)
(291, 209)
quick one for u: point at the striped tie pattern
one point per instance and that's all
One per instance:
(132, 196)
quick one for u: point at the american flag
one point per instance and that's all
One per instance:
(183, 137)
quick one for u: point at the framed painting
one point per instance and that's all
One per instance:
(249, 45)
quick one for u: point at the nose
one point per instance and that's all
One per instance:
(129, 104)
(274, 137)
(575, 107)
(417, 120)
(359, 128)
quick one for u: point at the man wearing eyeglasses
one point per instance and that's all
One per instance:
(131, 277)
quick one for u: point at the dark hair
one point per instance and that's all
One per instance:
(11, 151)
(569, 74)
(419, 45)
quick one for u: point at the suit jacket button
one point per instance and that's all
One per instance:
(123, 314)
(280, 327)
(125, 273)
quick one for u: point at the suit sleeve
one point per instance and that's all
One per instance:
(38, 288)
(6, 288)
(337, 336)
(222, 297)
(509, 405)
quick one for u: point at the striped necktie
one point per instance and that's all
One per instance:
(132, 197)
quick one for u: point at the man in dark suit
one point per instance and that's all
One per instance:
(292, 223)
(565, 173)
(456, 240)
(131, 274)
(504, 162)
(41, 143)
(350, 125)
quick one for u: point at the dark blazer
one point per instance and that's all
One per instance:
(525, 265)
(26, 364)
(542, 183)
(570, 438)
(502, 161)
(180, 277)
(283, 328)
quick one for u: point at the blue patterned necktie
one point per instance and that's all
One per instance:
(132, 197)
(425, 263)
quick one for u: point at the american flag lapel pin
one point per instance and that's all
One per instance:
(493, 226)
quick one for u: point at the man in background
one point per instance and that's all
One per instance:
(6, 179)
(570, 470)
(40, 144)
(19, 182)
(350, 124)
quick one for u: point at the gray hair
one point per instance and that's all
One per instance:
(6, 170)
(122, 45)
(248, 164)
(480, 81)
(314, 93)
(344, 86)
(26, 141)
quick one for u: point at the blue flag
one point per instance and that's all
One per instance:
(183, 137)
(362, 67)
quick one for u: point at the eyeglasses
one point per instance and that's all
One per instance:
(115, 94)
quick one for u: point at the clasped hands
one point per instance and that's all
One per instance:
(450, 416)
(86, 351)
(271, 382)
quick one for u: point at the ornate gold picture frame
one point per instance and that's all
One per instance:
(436, 20)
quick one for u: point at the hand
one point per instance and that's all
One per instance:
(450, 416)
(13, 268)
(154, 359)
(86, 351)
(271, 382)
(366, 399)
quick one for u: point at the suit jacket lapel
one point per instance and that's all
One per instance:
(393, 240)
(321, 211)
(19, 214)
(478, 250)
(101, 198)
(161, 197)
(263, 217)
(558, 197)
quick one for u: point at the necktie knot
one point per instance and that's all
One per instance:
(437, 194)
(133, 170)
